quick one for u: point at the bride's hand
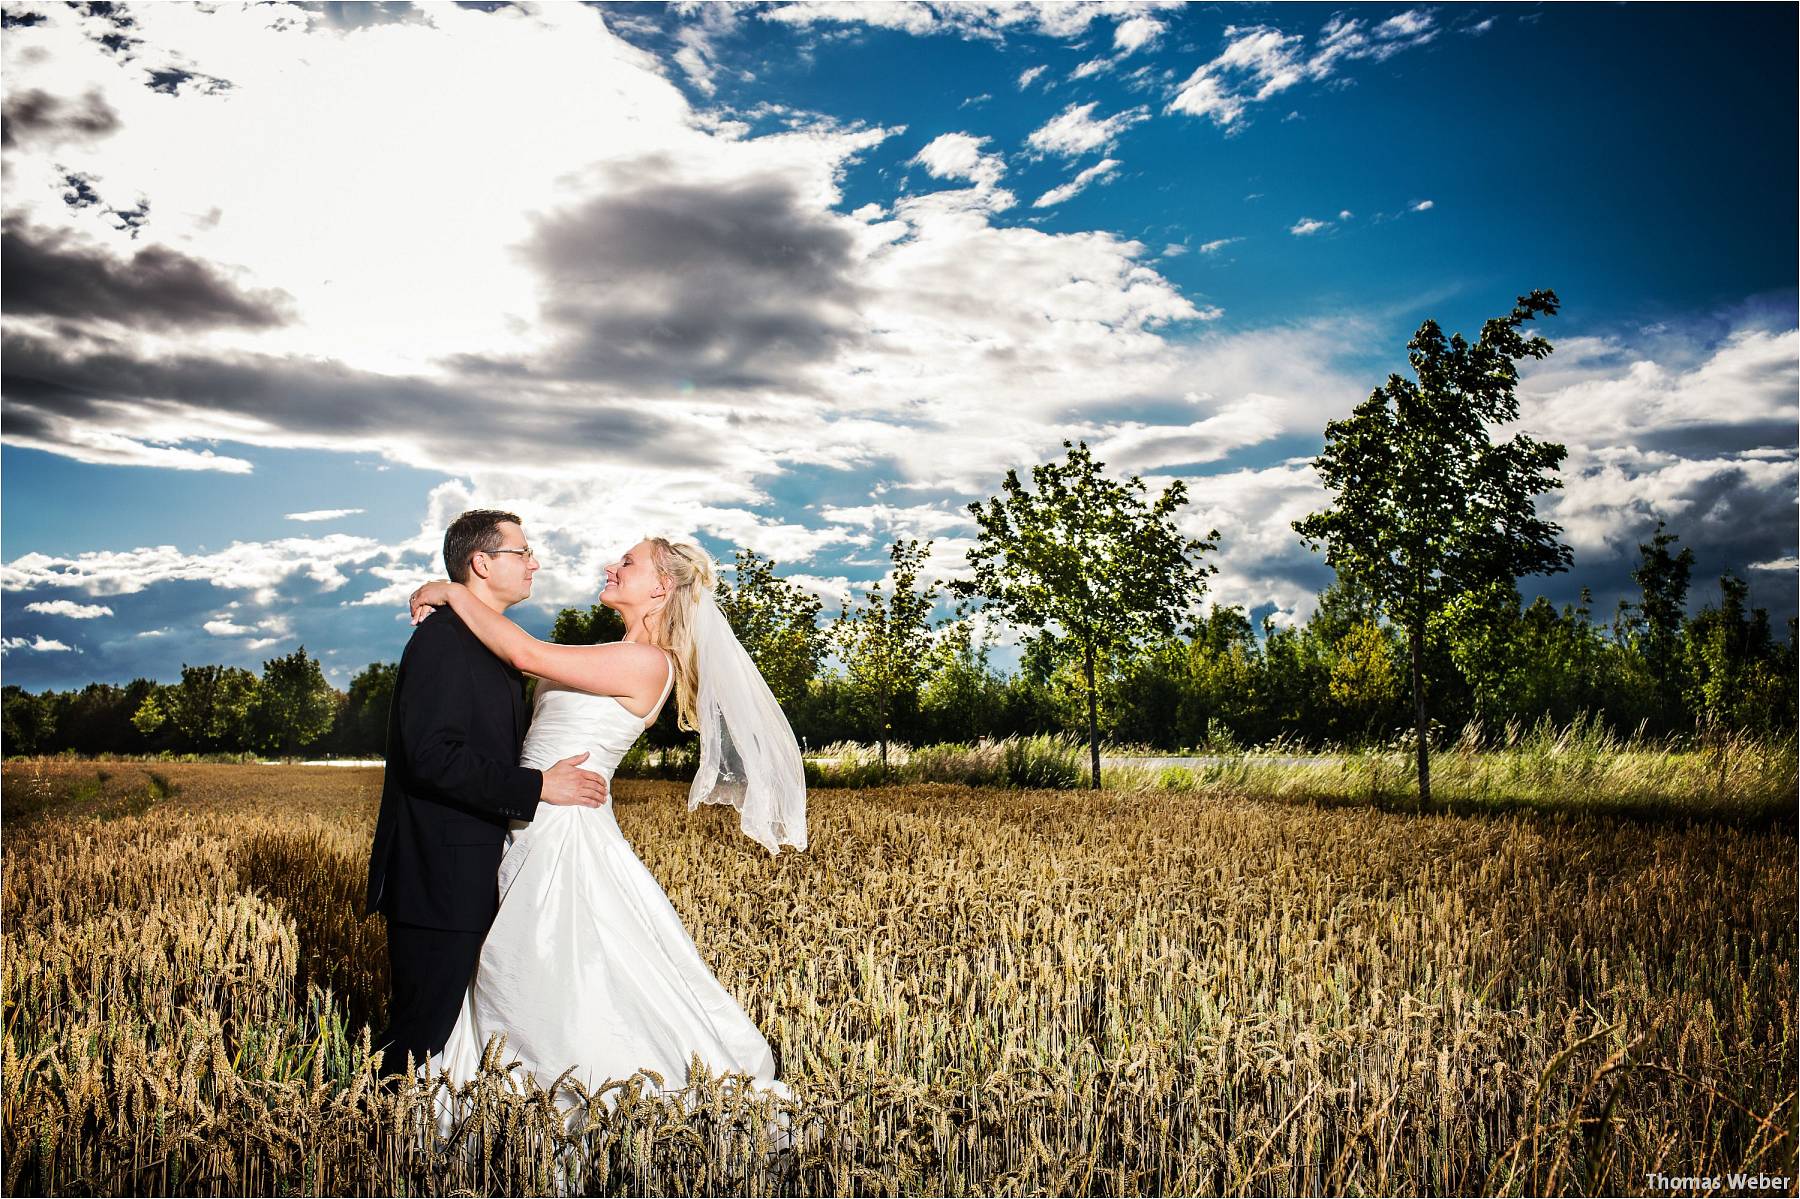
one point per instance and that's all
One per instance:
(434, 594)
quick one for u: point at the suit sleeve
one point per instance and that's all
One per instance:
(435, 702)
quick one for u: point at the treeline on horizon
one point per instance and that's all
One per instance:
(1340, 679)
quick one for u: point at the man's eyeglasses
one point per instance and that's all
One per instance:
(523, 552)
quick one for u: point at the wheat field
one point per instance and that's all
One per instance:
(970, 991)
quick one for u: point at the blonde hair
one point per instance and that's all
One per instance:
(691, 576)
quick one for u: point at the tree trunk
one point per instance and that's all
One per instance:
(1422, 725)
(1093, 716)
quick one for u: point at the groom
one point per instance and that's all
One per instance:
(452, 784)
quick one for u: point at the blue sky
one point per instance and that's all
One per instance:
(289, 286)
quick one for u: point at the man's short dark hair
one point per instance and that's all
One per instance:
(469, 534)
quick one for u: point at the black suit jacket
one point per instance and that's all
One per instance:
(453, 780)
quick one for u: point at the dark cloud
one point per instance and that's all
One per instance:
(37, 115)
(44, 272)
(12, 20)
(47, 384)
(1706, 440)
(659, 283)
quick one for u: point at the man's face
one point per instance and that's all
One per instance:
(509, 570)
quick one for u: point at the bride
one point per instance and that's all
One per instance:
(587, 965)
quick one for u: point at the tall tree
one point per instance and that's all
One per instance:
(1085, 562)
(884, 641)
(1428, 507)
(295, 706)
(1653, 625)
(777, 623)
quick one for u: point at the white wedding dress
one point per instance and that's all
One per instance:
(587, 964)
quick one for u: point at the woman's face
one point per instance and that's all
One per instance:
(632, 581)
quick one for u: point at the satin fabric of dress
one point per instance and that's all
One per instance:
(587, 963)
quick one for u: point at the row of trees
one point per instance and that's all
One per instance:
(288, 710)
(1342, 677)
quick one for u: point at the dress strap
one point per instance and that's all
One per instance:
(667, 687)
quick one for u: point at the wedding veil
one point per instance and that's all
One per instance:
(748, 755)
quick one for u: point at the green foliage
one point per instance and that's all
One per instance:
(1365, 676)
(884, 641)
(1733, 677)
(962, 692)
(1653, 626)
(362, 722)
(294, 705)
(1086, 563)
(1428, 509)
(777, 622)
(597, 626)
(211, 706)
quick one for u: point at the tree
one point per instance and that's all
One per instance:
(962, 691)
(777, 623)
(210, 709)
(362, 724)
(1428, 507)
(295, 706)
(1363, 681)
(1653, 626)
(1733, 672)
(600, 624)
(1085, 562)
(29, 721)
(883, 641)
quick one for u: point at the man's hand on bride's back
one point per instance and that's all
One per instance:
(567, 783)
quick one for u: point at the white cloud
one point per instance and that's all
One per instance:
(699, 52)
(325, 514)
(959, 156)
(1093, 66)
(1691, 427)
(1136, 447)
(69, 608)
(221, 627)
(1779, 564)
(1410, 23)
(1424, 206)
(256, 566)
(41, 645)
(1213, 247)
(1174, 250)
(1075, 131)
(1259, 62)
(1307, 226)
(1030, 73)
(988, 20)
(1345, 214)
(1102, 170)
(1136, 33)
